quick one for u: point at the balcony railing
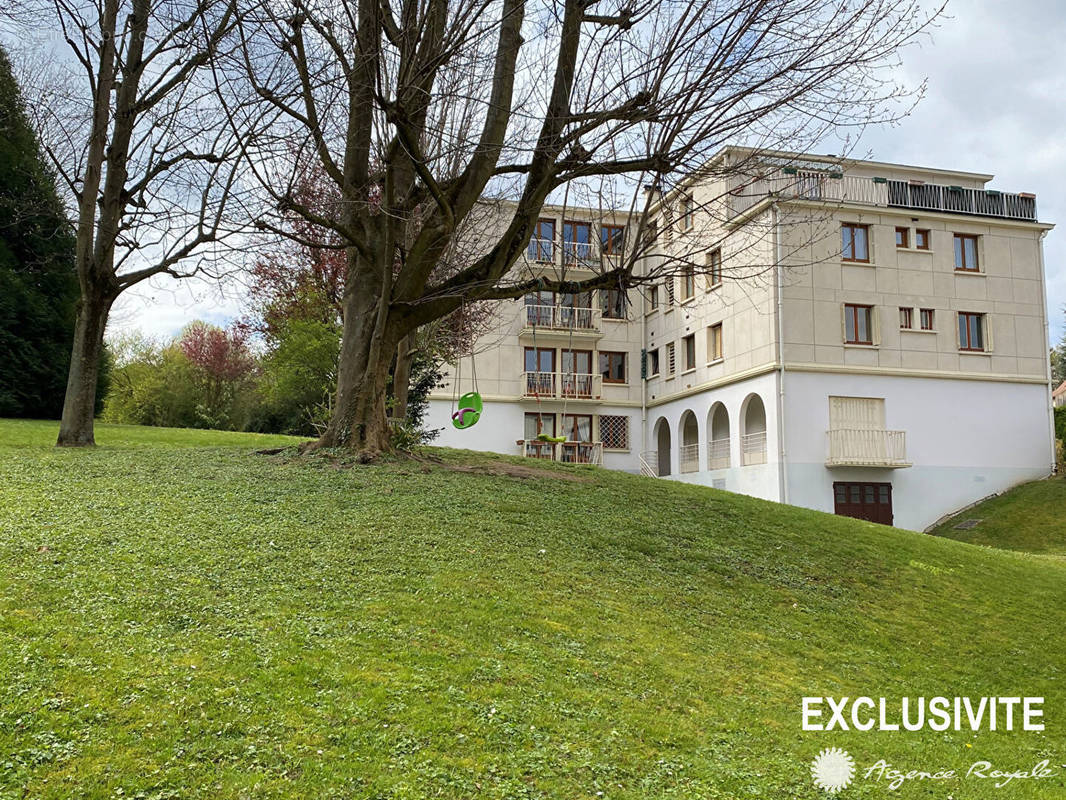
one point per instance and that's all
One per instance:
(862, 447)
(578, 253)
(689, 458)
(572, 385)
(562, 317)
(884, 193)
(718, 454)
(565, 452)
(753, 448)
(541, 250)
(649, 463)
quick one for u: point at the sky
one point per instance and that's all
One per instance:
(994, 104)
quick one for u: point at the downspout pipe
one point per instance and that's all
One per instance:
(779, 286)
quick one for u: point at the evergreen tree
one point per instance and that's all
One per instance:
(38, 284)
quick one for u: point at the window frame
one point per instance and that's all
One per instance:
(959, 252)
(855, 307)
(539, 239)
(853, 227)
(923, 313)
(607, 242)
(686, 208)
(714, 268)
(575, 225)
(624, 428)
(653, 297)
(611, 357)
(653, 360)
(906, 318)
(688, 283)
(574, 425)
(608, 309)
(688, 352)
(903, 238)
(927, 235)
(979, 330)
(715, 343)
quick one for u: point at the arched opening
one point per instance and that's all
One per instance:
(662, 444)
(718, 449)
(689, 455)
(753, 431)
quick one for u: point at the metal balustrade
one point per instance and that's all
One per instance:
(571, 385)
(866, 447)
(562, 317)
(564, 452)
(823, 186)
(718, 454)
(649, 463)
(689, 458)
(753, 448)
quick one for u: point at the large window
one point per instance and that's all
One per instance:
(714, 268)
(858, 324)
(966, 253)
(614, 431)
(688, 345)
(688, 282)
(613, 367)
(855, 242)
(971, 331)
(714, 342)
(540, 359)
(612, 239)
(542, 245)
(613, 302)
(577, 242)
(577, 427)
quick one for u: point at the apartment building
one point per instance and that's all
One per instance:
(856, 337)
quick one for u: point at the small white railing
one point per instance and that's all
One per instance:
(562, 317)
(577, 252)
(866, 447)
(718, 454)
(649, 463)
(541, 250)
(565, 452)
(689, 458)
(572, 385)
(753, 448)
(834, 187)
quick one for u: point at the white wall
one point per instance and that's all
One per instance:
(758, 480)
(967, 439)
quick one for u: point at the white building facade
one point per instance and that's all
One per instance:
(855, 337)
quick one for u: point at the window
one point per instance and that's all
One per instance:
(653, 298)
(689, 346)
(921, 239)
(687, 212)
(855, 242)
(903, 237)
(614, 432)
(613, 302)
(542, 245)
(577, 237)
(577, 427)
(966, 253)
(539, 423)
(925, 318)
(653, 362)
(541, 359)
(613, 367)
(714, 268)
(714, 342)
(612, 240)
(906, 318)
(670, 360)
(671, 299)
(858, 324)
(688, 282)
(971, 332)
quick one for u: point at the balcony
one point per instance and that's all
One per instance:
(562, 318)
(883, 192)
(561, 386)
(862, 447)
(563, 452)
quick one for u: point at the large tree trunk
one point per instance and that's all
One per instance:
(76, 427)
(401, 377)
(371, 335)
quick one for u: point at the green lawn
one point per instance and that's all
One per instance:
(1030, 518)
(196, 621)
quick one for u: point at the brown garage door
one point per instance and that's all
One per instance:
(869, 501)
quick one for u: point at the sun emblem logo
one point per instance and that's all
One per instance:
(833, 770)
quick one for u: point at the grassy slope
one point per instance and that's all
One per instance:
(202, 622)
(1030, 518)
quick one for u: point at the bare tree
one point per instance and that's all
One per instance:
(419, 111)
(136, 138)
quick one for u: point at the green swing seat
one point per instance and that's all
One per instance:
(547, 437)
(468, 412)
